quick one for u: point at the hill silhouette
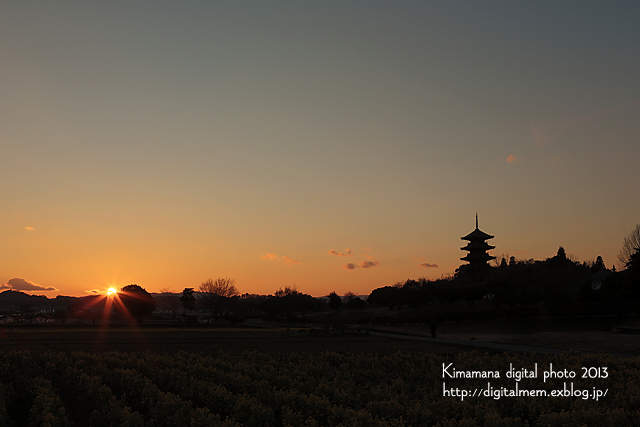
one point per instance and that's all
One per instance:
(14, 300)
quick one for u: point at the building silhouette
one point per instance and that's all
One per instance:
(477, 248)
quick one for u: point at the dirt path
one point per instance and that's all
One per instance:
(625, 345)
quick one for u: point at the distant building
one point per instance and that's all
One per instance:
(477, 248)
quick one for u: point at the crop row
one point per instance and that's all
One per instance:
(258, 389)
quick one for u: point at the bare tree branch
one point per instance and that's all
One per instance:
(630, 245)
(213, 293)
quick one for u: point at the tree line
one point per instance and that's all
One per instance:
(510, 283)
(221, 299)
(517, 283)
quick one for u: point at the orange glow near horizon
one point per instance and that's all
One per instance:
(284, 169)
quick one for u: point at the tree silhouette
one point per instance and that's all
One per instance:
(188, 300)
(334, 301)
(629, 247)
(289, 301)
(385, 296)
(353, 301)
(598, 265)
(138, 302)
(215, 293)
(288, 290)
(633, 265)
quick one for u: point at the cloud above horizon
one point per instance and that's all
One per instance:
(268, 256)
(288, 261)
(273, 257)
(18, 284)
(427, 265)
(29, 228)
(513, 159)
(347, 252)
(369, 264)
(363, 264)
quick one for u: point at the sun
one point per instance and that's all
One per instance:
(112, 291)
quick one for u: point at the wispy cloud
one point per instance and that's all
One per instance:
(427, 265)
(288, 261)
(369, 264)
(94, 291)
(347, 252)
(273, 257)
(268, 256)
(18, 284)
(513, 159)
(363, 264)
(29, 228)
(554, 161)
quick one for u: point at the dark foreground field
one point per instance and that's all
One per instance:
(590, 336)
(170, 338)
(207, 375)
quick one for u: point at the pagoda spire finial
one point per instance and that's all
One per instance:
(476, 220)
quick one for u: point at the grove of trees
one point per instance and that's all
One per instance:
(137, 301)
(288, 302)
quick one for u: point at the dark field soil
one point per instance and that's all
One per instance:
(592, 335)
(170, 338)
(586, 335)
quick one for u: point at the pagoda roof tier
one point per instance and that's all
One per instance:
(478, 246)
(484, 257)
(477, 235)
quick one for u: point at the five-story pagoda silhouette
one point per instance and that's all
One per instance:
(477, 248)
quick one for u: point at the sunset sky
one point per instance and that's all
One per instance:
(331, 145)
